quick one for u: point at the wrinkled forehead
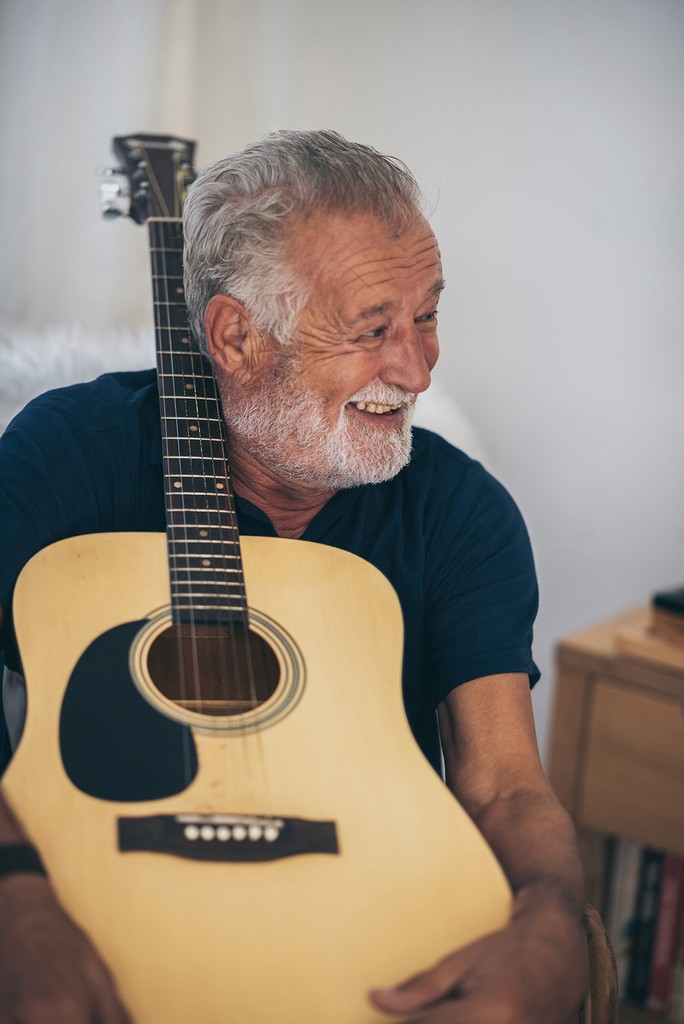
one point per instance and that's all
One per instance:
(359, 253)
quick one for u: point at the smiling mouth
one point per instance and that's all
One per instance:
(376, 407)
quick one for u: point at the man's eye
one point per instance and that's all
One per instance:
(377, 332)
(428, 318)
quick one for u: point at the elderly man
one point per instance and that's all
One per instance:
(312, 281)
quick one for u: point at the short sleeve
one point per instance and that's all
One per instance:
(46, 489)
(481, 587)
(70, 464)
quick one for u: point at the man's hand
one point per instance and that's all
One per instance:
(534, 971)
(49, 972)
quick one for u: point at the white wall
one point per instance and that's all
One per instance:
(547, 134)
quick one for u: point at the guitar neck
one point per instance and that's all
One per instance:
(205, 565)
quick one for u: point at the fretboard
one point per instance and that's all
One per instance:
(207, 583)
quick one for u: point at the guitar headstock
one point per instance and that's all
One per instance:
(158, 170)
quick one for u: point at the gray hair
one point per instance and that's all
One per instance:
(240, 211)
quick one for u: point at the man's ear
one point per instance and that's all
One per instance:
(235, 345)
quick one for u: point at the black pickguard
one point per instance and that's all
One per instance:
(114, 745)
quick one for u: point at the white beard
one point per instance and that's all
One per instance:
(286, 427)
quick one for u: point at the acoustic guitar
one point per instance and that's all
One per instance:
(216, 764)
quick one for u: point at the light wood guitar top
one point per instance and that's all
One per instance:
(298, 938)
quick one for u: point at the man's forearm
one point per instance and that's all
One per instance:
(535, 842)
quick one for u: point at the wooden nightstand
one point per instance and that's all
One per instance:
(617, 754)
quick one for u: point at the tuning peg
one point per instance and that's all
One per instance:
(114, 200)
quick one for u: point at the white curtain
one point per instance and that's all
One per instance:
(73, 73)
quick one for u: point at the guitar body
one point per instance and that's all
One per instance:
(297, 938)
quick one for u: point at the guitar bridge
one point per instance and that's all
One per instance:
(226, 837)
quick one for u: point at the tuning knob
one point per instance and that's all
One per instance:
(114, 200)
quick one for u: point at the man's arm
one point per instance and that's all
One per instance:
(533, 971)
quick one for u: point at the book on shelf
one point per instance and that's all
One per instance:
(623, 869)
(675, 1009)
(667, 934)
(643, 911)
(645, 914)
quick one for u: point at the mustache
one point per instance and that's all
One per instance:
(384, 394)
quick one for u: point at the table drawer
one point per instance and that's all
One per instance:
(633, 774)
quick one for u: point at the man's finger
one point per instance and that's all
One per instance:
(420, 991)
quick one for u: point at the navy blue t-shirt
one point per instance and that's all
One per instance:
(87, 459)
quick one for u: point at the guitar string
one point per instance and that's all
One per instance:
(162, 314)
(236, 654)
(190, 687)
(199, 390)
(172, 462)
(230, 551)
(201, 386)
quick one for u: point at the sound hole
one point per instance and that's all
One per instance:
(213, 670)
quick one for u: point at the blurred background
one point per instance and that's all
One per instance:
(547, 136)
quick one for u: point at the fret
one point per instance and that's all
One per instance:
(185, 401)
(196, 484)
(205, 566)
(169, 316)
(205, 466)
(176, 370)
(166, 267)
(211, 449)
(195, 565)
(203, 519)
(185, 410)
(199, 566)
(194, 465)
(174, 363)
(213, 431)
(193, 528)
(206, 493)
(216, 575)
(192, 607)
(176, 382)
(212, 500)
(225, 561)
(208, 602)
(189, 589)
(168, 278)
(187, 488)
(185, 419)
(223, 551)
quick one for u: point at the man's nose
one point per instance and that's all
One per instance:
(411, 357)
